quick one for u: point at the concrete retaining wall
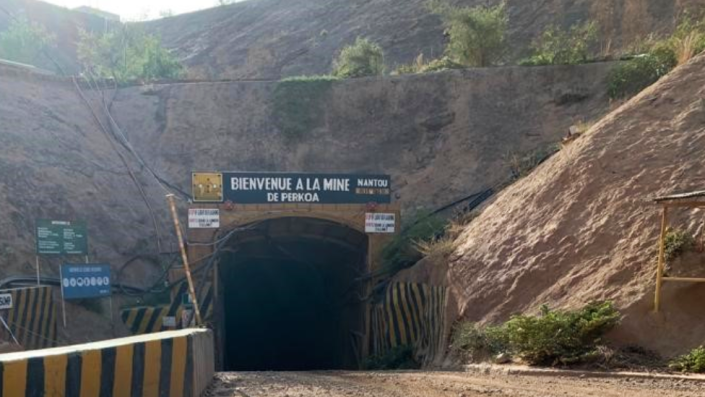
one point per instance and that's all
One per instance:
(173, 364)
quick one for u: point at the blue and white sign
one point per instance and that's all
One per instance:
(85, 281)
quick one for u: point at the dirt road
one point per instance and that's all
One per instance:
(440, 384)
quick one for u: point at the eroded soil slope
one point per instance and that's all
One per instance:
(582, 227)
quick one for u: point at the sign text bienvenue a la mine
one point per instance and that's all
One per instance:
(260, 188)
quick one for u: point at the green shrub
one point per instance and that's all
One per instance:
(560, 47)
(25, 41)
(402, 251)
(660, 57)
(363, 58)
(297, 104)
(560, 337)
(677, 242)
(631, 77)
(400, 357)
(476, 344)
(477, 35)
(127, 54)
(691, 362)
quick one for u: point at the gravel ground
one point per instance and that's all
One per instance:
(437, 384)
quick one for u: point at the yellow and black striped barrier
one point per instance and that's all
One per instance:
(155, 365)
(144, 320)
(32, 318)
(410, 314)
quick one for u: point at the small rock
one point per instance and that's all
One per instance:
(502, 358)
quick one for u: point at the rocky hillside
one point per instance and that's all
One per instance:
(441, 136)
(63, 23)
(268, 39)
(583, 226)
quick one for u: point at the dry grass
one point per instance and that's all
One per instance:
(441, 248)
(687, 47)
(583, 126)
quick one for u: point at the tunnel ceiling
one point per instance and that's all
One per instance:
(302, 228)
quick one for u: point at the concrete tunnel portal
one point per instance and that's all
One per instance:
(291, 296)
(290, 279)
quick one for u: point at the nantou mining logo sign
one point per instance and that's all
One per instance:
(264, 188)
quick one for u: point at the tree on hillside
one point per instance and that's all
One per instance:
(362, 58)
(24, 41)
(564, 47)
(477, 35)
(127, 54)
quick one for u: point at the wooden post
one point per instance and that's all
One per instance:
(184, 257)
(661, 259)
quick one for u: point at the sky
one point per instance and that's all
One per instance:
(139, 9)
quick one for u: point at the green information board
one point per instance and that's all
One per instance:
(61, 238)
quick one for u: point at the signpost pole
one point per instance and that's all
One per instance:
(37, 263)
(110, 303)
(184, 257)
(63, 300)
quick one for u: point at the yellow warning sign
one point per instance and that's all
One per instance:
(207, 187)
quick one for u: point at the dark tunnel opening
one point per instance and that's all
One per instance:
(291, 296)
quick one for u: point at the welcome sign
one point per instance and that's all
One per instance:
(287, 188)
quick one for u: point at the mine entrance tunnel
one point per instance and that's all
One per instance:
(291, 296)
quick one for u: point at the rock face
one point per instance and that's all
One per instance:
(582, 227)
(441, 136)
(269, 39)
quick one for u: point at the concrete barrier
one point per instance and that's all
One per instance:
(166, 364)
(32, 318)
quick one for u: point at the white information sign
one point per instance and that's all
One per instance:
(203, 218)
(169, 321)
(380, 223)
(5, 301)
(185, 314)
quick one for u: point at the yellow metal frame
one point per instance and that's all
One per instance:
(660, 278)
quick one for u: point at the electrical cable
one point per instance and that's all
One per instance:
(54, 342)
(160, 280)
(31, 281)
(219, 244)
(117, 132)
(227, 236)
(124, 161)
(12, 334)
